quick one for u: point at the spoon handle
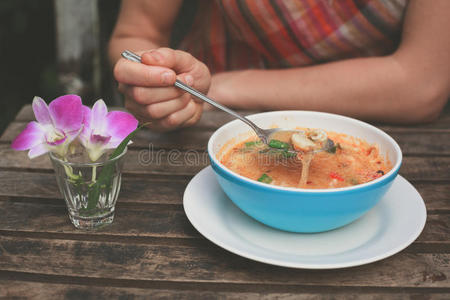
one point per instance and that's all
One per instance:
(136, 58)
(205, 98)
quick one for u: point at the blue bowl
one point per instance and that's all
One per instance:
(295, 209)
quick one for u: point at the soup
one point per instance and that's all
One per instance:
(350, 162)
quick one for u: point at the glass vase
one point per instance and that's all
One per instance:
(90, 189)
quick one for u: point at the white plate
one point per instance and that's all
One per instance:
(393, 224)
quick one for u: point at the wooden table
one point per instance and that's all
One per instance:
(151, 249)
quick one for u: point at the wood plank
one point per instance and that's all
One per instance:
(155, 221)
(151, 221)
(138, 223)
(147, 190)
(184, 139)
(163, 190)
(426, 168)
(431, 143)
(207, 264)
(436, 197)
(214, 119)
(168, 162)
(196, 138)
(44, 290)
(175, 162)
(437, 229)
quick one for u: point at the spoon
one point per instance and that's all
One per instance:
(264, 134)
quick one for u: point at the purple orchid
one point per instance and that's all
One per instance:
(104, 130)
(58, 124)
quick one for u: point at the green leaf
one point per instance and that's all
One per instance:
(104, 178)
(125, 142)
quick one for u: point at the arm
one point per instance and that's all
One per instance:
(143, 25)
(411, 85)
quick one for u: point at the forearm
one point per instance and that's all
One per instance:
(142, 25)
(411, 85)
(366, 88)
(352, 87)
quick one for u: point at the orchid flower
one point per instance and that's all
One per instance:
(58, 124)
(104, 130)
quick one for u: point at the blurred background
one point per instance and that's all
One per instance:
(29, 61)
(53, 47)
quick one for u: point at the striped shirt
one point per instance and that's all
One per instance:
(242, 34)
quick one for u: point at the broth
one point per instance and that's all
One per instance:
(353, 161)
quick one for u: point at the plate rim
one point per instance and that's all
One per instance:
(300, 265)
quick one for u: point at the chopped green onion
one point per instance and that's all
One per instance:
(279, 144)
(354, 181)
(252, 144)
(265, 178)
(278, 152)
(288, 154)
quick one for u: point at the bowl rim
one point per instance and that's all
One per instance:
(386, 177)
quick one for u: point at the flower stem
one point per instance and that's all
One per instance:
(69, 171)
(94, 174)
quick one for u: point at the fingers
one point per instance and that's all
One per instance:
(172, 118)
(179, 61)
(149, 95)
(178, 118)
(137, 74)
(158, 110)
(182, 63)
(149, 87)
(145, 95)
(196, 117)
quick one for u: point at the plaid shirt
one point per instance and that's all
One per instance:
(242, 34)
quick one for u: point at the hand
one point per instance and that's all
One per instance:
(149, 91)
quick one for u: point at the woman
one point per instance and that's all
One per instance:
(375, 60)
